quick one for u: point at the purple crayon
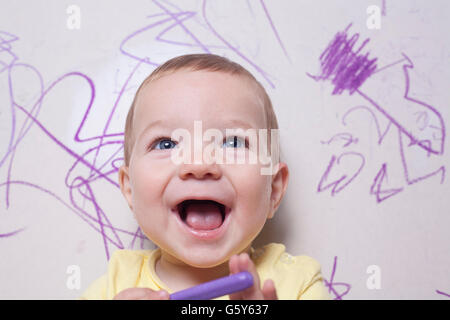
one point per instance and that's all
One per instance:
(216, 288)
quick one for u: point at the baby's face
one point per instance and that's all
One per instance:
(154, 184)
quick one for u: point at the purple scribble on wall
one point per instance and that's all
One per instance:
(80, 195)
(332, 285)
(346, 68)
(12, 233)
(420, 126)
(443, 293)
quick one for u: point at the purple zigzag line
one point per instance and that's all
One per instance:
(174, 17)
(334, 185)
(111, 113)
(406, 97)
(330, 284)
(81, 159)
(189, 15)
(378, 181)
(405, 166)
(59, 143)
(145, 60)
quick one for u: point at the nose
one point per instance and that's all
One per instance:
(200, 171)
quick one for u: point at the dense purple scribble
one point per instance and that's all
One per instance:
(331, 285)
(348, 69)
(344, 67)
(81, 188)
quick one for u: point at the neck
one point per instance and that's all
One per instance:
(179, 276)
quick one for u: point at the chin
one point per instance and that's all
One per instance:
(208, 258)
(206, 264)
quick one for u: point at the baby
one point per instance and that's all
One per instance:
(202, 215)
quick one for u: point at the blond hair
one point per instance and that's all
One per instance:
(196, 62)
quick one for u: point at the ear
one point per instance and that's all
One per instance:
(125, 186)
(279, 185)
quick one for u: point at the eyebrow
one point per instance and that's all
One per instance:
(228, 124)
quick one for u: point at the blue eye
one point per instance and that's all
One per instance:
(236, 142)
(164, 144)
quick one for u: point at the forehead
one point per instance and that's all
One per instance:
(214, 97)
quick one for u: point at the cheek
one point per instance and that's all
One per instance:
(148, 181)
(253, 190)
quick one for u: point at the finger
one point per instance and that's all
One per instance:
(234, 264)
(141, 294)
(244, 263)
(131, 294)
(156, 295)
(234, 268)
(269, 291)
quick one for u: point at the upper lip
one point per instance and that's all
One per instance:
(216, 198)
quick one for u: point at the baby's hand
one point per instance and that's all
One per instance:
(142, 294)
(243, 262)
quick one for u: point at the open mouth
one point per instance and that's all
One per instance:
(202, 215)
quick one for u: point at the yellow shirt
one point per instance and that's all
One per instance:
(295, 277)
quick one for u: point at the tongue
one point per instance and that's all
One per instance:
(203, 215)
